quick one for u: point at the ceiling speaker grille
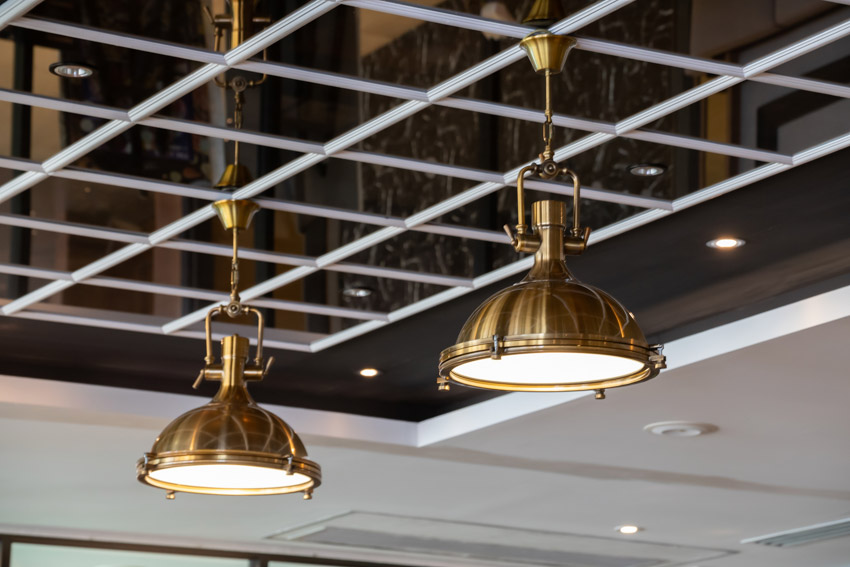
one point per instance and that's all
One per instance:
(800, 536)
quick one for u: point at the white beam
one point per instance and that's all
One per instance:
(11, 10)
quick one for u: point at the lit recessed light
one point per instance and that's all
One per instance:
(647, 169)
(628, 529)
(357, 291)
(725, 243)
(680, 428)
(369, 372)
(71, 70)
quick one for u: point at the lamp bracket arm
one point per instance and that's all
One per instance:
(575, 241)
(523, 240)
(258, 368)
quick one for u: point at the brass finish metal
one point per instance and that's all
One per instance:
(231, 430)
(547, 51)
(544, 13)
(235, 175)
(236, 213)
(550, 311)
(241, 23)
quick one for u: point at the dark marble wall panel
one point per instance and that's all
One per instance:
(593, 86)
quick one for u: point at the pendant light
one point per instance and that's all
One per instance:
(231, 445)
(549, 332)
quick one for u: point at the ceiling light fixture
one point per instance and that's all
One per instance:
(369, 372)
(357, 291)
(549, 332)
(680, 428)
(647, 169)
(628, 529)
(69, 70)
(231, 445)
(726, 243)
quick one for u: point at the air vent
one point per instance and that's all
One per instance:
(466, 544)
(801, 536)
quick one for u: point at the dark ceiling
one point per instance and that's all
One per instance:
(797, 228)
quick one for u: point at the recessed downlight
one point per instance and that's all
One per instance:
(71, 70)
(357, 291)
(680, 428)
(369, 372)
(726, 243)
(628, 529)
(647, 169)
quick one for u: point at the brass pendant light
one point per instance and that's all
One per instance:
(231, 445)
(549, 332)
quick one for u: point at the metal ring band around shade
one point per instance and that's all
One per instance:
(151, 463)
(482, 349)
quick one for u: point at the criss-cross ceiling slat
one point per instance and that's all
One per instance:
(417, 100)
(278, 258)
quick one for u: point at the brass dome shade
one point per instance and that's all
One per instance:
(550, 332)
(230, 446)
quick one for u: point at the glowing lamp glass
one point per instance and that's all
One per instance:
(549, 368)
(244, 477)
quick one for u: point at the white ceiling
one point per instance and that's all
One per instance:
(780, 460)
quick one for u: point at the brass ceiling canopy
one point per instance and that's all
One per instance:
(549, 332)
(231, 446)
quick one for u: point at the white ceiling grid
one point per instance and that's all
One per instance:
(13, 13)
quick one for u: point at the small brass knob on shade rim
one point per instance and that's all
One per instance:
(235, 213)
(547, 51)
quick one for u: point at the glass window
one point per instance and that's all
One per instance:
(33, 555)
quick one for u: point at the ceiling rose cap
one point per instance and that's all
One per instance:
(546, 51)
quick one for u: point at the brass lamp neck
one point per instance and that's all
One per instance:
(548, 221)
(234, 357)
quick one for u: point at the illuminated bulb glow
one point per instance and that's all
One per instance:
(725, 243)
(647, 169)
(228, 476)
(628, 530)
(357, 292)
(71, 70)
(369, 372)
(549, 368)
